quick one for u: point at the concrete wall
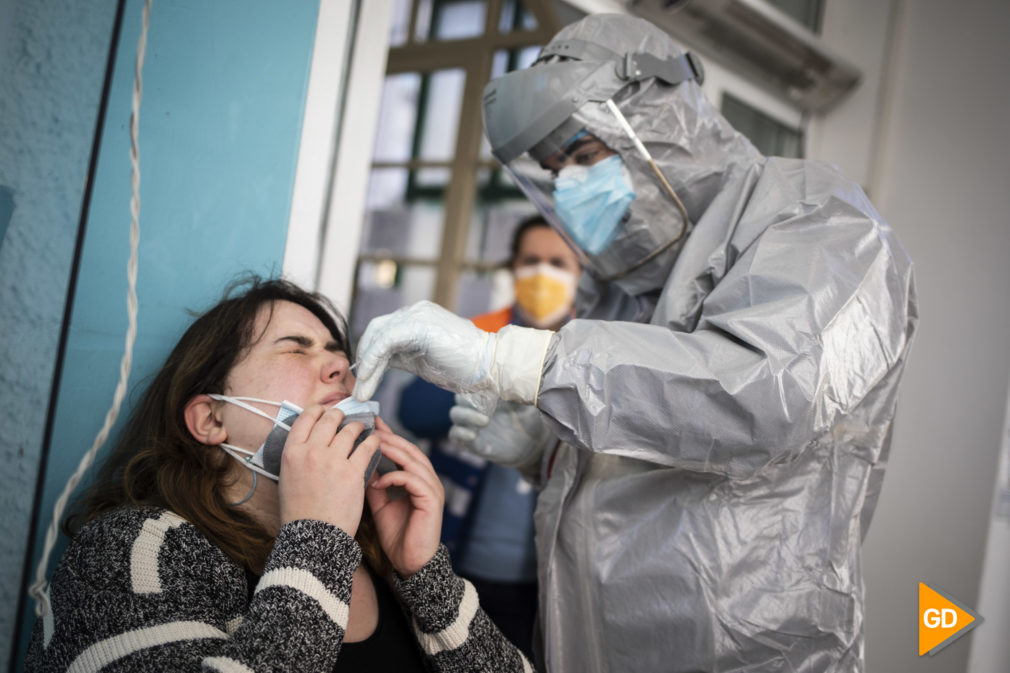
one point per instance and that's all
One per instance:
(224, 91)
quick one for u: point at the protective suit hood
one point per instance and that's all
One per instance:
(656, 86)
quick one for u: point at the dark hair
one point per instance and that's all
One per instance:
(531, 222)
(156, 462)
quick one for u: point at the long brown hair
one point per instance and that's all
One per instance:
(156, 462)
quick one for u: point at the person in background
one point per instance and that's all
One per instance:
(488, 519)
(189, 553)
(726, 393)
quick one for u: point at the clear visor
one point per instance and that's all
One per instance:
(599, 188)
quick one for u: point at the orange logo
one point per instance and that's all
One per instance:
(942, 620)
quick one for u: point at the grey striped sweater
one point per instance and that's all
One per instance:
(143, 590)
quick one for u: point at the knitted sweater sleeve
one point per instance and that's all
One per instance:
(143, 590)
(450, 625)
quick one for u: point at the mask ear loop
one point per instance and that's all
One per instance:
(655, 169)
(233, 451)
(239, 402)
(256, 478)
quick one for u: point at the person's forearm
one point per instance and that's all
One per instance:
(453, 630)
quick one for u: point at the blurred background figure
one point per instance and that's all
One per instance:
(488, 520)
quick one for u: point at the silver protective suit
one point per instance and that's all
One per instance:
(725, 409)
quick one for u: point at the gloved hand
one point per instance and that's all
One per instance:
(514, 435)
(449, 351)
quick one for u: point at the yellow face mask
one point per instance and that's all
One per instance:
(545, 293)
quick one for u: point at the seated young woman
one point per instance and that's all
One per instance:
(186, 556)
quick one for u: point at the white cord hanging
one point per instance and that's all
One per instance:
(39, 589)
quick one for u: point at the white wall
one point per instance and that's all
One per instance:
(991, 649)
(849, 134)
(943, 183)
(335, 155)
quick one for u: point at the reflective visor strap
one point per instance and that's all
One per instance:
(580, 50)
(672, 70)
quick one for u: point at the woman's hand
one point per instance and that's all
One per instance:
(409, 527)
(319, 479)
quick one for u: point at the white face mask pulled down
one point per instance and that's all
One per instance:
(267, 459)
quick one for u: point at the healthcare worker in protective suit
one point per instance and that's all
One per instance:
(725, 397)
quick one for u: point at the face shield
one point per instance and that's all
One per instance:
(602, 191)
(558, 131)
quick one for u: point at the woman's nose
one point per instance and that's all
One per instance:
(335, 367)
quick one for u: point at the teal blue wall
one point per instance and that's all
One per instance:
(224, 93)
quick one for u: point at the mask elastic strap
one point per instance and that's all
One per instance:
(248, 495)
(241, 402)
(233, 451)
(655, 169)
(548, 270)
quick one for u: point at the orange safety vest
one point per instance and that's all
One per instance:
(492, 322)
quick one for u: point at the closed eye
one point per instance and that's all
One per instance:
(298, 341)
(302, 343)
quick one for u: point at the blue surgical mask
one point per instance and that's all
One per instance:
(591, 202)
(267, 459)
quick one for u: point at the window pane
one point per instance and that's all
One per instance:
(407, 231)
(504, 61)
(485, 148)
(516, 59)
(483, 291)
(515, 16)
(499, 63)
(770, 136)
(508, 16)
(383, 287)
(806, 12)
(458, 19)
(442, 100)
(387, 188)
(397, 226)
(496, 212)
(401, 23)
(423, 26)
(430, 181)
(526, 57)
(397, 117)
